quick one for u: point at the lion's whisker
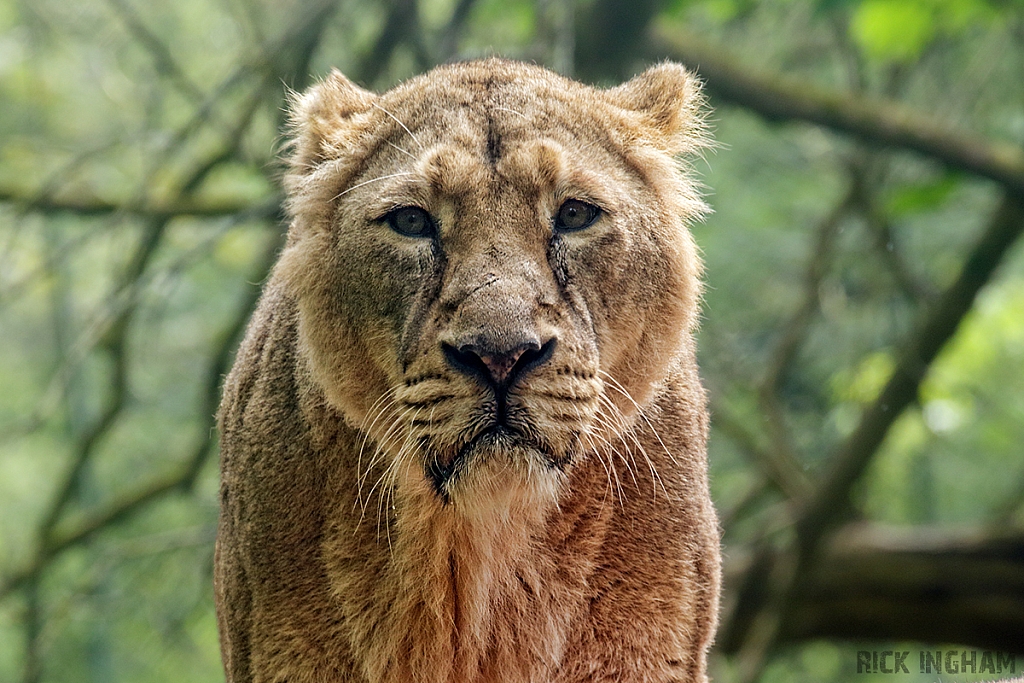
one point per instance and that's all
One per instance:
(389, 486)
(378, 409)
(605, 446)
(403, 150)
(399, 122)
(380, 446)
(640, 411)
(593, 448)
(379, 454)
(625, 430)
(611, 463)
(371, 180)
(386, 482)
(620, 429)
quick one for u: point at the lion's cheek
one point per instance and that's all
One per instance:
(639, 296)
(341, 363)
(350, 323)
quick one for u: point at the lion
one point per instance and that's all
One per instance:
(464, 436)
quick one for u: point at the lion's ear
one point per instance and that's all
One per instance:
(670, 99)
(325, 118)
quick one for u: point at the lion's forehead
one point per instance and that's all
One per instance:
(485, 152)
(483, 123)
(491, 88)
(489, 112)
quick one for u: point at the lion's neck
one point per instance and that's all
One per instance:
(468, 591)
(464, 579)
(443, 593)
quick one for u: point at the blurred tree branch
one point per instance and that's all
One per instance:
(877, 122)
(611, 35)
(52, 538)
(85, 205)
(867, 205)
(182, 477)
(402, 25)
(59, 529)
(915, 358)
(786, 461)
(929, 585)
(770, 591)
(769, 594)
(163, 60)
(448, 44)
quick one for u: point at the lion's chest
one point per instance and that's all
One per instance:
(431, 597)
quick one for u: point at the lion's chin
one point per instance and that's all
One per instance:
(490, 461)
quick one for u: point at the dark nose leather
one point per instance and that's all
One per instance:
(499, 365)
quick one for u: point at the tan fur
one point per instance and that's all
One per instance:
(580, 543)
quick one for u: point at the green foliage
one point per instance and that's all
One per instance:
(893, 30)
(113, 111)
(925, 196)
(899, 31)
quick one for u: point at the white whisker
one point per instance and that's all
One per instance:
(625, 430)
(610, 427)
(512, 111)
(404, 127)
(371, 180)
(386, 482)
(622, 430)
(376, 410)
(379, 454)
(587, 443)
(640, 411)
(403, 151)
(381, 406)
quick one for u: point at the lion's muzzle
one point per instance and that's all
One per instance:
(499, 365)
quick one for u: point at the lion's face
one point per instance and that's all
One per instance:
(491, 264)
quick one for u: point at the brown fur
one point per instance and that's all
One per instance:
(580, 543)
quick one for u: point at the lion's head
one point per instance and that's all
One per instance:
(492, 263)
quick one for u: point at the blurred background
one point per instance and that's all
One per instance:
(863, 334)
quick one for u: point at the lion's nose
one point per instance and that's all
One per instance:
(499, 366)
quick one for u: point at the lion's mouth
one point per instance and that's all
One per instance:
(500, 439)
(442, 471)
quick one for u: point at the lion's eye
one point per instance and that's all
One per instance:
(576, 215)
(412, 221)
